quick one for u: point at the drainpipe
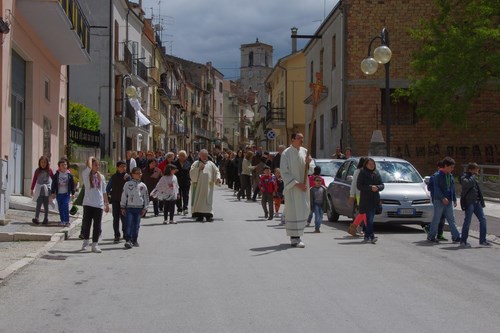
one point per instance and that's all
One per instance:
(68, 147)
(286, 97)
(344, 130)
(111, 84)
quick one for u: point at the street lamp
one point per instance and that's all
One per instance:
(128, 91)
(381, 55)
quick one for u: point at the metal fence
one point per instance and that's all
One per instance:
(489, 180)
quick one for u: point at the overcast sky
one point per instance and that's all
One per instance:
(213, 30)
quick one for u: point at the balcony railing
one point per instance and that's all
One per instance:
(78, 20)
(142, 70)
(154, 75)
(60, 26)
(276, 116)
(164, 92)
(155, 116)
(203, 133)
(124, 57)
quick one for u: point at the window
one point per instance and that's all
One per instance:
(250, 59)
(322, 132)
(220, 87)
(281, 99)
(46, 87)
(334, 51)
(335, 117)
(402, 111)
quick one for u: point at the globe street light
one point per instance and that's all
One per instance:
(128, 91)
(381, 55)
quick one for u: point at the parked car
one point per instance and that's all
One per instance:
(329, 168)
(405, 199)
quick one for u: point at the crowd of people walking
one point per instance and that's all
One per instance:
(288, 177)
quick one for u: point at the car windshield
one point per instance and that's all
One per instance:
(328, 168)
(398, 172)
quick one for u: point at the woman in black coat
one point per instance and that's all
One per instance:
(369, 184)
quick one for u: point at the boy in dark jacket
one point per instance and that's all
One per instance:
(473, 201)
(444, 200)
(63, 187)
(430, 188)
(114, 190)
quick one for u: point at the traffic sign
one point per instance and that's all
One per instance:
(271, 135)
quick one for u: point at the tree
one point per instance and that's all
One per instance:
(458, 55)
(84, 117)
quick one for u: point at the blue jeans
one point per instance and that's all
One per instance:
(441, 209)
(476, 209)
(318, 215)
(368, 227)
(133, 221)
(63, 206)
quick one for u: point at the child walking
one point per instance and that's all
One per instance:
(167, 190)
(278, 196)
(63, 187)
(95, 201)
(318, 202)
(268, 188)
(40, 189)
(114, 189)
(134, 203)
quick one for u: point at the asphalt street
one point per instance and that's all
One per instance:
(239, 274)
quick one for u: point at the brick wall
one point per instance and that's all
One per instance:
(421, 144)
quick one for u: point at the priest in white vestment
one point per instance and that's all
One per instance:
(204, 175)
(292, 165)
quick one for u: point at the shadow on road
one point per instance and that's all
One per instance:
(270, 249)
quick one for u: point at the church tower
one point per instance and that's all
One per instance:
(256, 65)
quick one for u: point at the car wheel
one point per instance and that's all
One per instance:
(332, 215)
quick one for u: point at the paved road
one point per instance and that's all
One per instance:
(239, 274)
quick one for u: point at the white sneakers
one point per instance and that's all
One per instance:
(95, 246)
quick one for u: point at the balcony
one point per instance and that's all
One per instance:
(175, 99)
(155, 116)
(203, 133)
(276, 117)
(165, 93)
(132, 120)
(124, 59)
(141, 73)
(154, 76)
(61, 26)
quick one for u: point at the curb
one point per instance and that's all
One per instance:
(12, 269)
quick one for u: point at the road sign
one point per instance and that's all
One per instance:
(271, 135)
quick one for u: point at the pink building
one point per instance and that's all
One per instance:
(42, 38)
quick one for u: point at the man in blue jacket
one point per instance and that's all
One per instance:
(444, 200)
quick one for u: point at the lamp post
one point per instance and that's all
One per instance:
(381, 55)
(128, 91)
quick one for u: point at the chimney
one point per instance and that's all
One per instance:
(294, 39)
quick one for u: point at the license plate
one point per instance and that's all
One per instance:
(406, 211)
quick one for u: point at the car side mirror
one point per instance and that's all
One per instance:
(427, 179)
(349, 178)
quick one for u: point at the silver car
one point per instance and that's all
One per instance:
(329, 168)
(405, 199)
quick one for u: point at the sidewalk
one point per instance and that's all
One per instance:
(21, 241)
